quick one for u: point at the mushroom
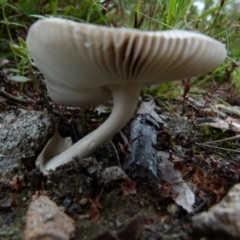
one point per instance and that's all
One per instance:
(85, 64)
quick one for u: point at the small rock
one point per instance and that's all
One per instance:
(67, 202)
(112, 174)
(118, 223)
(44, 220)
(75, 208)
(83, 201)
(223, 219)
(173, 209)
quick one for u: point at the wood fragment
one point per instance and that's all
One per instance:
(142, 160)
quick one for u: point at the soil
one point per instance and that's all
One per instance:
(98, 206)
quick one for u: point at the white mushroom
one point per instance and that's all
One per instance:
(84, 64)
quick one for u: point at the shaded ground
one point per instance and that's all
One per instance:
(97, 206)
(209, 169)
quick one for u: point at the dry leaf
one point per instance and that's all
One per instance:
(101, 109)
(227, 124)
(148, 108)
(180, 192)
(218, 109)
(128, 186)
(3, 61)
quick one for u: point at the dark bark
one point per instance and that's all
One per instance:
(142, 160)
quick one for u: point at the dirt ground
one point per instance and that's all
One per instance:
(102, 199)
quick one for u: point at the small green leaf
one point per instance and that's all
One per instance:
(21, 79)
(19, 51)
(22, 42)
(37, 16)
(14, 70)
(6, 22)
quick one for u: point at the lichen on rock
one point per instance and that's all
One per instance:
(23, 134)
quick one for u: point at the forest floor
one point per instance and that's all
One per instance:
(195, 172)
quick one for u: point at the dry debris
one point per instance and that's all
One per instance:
(100, 196)
(132, 231)
(111, 174)
(178, 190)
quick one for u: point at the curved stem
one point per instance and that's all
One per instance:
(125, 97)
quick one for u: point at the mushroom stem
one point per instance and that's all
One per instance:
(125, 98)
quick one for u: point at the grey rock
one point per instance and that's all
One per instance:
(23, 134)
(223, 219)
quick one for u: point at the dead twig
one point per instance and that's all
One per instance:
(8, 96)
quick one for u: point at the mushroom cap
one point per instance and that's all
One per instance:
(80, 60)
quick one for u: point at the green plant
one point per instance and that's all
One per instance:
(7, 22)
(219, 19)
(24, 64)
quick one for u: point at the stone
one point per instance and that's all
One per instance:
(223, 219)
(23, 134)
(44, 220)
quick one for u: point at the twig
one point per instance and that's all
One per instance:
(220, 148)
(214, 21)
(223, 140)
(11, 97)
(116, 154)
